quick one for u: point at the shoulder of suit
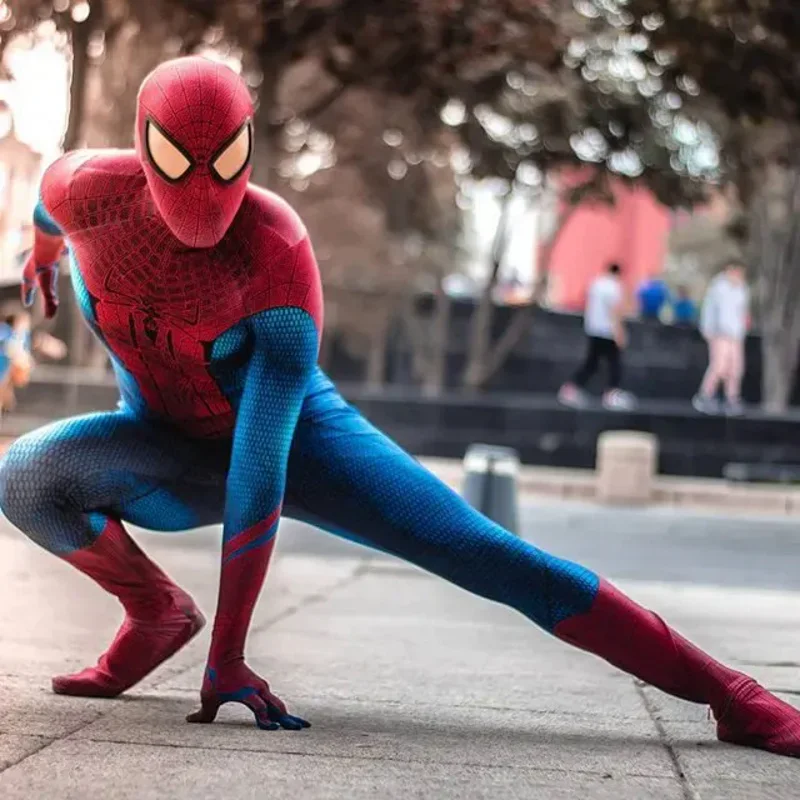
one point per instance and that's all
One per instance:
(272, 214)
(61, 176)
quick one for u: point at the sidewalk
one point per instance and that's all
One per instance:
(414, 689)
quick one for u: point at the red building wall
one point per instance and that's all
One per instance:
(632, 233)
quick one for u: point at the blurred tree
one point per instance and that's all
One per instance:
(494, 73)
(427, 51)
(381, 105)
(381, 210)
(309, 60)
(133, 39)
(739, 59)
(768, 229)
(605, 106)
(484, 355)
(699, 245)
(112, 45)
(25, 17)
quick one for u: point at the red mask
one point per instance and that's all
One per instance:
(194, 138)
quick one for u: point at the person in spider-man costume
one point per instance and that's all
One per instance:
(205, 292)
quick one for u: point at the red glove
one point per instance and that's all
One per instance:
(46, 277)
(237, 683)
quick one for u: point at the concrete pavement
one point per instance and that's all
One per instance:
(414, 688)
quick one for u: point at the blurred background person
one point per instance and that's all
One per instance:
(684, 309)
(653, 297)
(605, 331)
(723, 323)
(18, 344)
(15, 358)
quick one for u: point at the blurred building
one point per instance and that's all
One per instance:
(644, 237)
(20, 168)
(633, 232)
(34, 82)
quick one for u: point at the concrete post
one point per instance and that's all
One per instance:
(627, 462)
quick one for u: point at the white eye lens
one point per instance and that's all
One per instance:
(165, 155)
(230, 162)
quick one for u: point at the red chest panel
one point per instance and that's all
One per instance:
(160, 305)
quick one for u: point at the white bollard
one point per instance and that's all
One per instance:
(627, 462)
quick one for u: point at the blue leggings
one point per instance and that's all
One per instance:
(60, 483)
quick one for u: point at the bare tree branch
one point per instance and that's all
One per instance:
(520, 324)
(312, 111)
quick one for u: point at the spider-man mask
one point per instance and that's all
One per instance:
(194, 137)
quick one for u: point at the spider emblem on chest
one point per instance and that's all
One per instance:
(148, 330)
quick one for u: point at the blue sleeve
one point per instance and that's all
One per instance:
(44, 222)
(283, 361)
(285, 342)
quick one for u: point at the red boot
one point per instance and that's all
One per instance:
(160, 617)
(641, 643)
(754, 717)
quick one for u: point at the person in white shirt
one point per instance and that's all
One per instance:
(723, 323)
(605, 330)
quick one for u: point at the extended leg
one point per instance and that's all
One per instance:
(735, 371)
(347, 477)
(68, 486)
(716, 368)
(590, 364)
(614, 358)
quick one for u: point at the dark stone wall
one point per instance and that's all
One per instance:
(663, 365)
(661, 362)
(543, 432)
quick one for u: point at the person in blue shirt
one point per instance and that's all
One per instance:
(653, 295)
(684, 309)
(17, 346)
(5, 337)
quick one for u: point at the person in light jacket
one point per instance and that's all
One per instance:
(723, 323)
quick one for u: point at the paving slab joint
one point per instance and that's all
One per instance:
(687, 787)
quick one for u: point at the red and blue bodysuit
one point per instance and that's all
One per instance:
(205, 292)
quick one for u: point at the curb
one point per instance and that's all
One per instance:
(686, 493)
